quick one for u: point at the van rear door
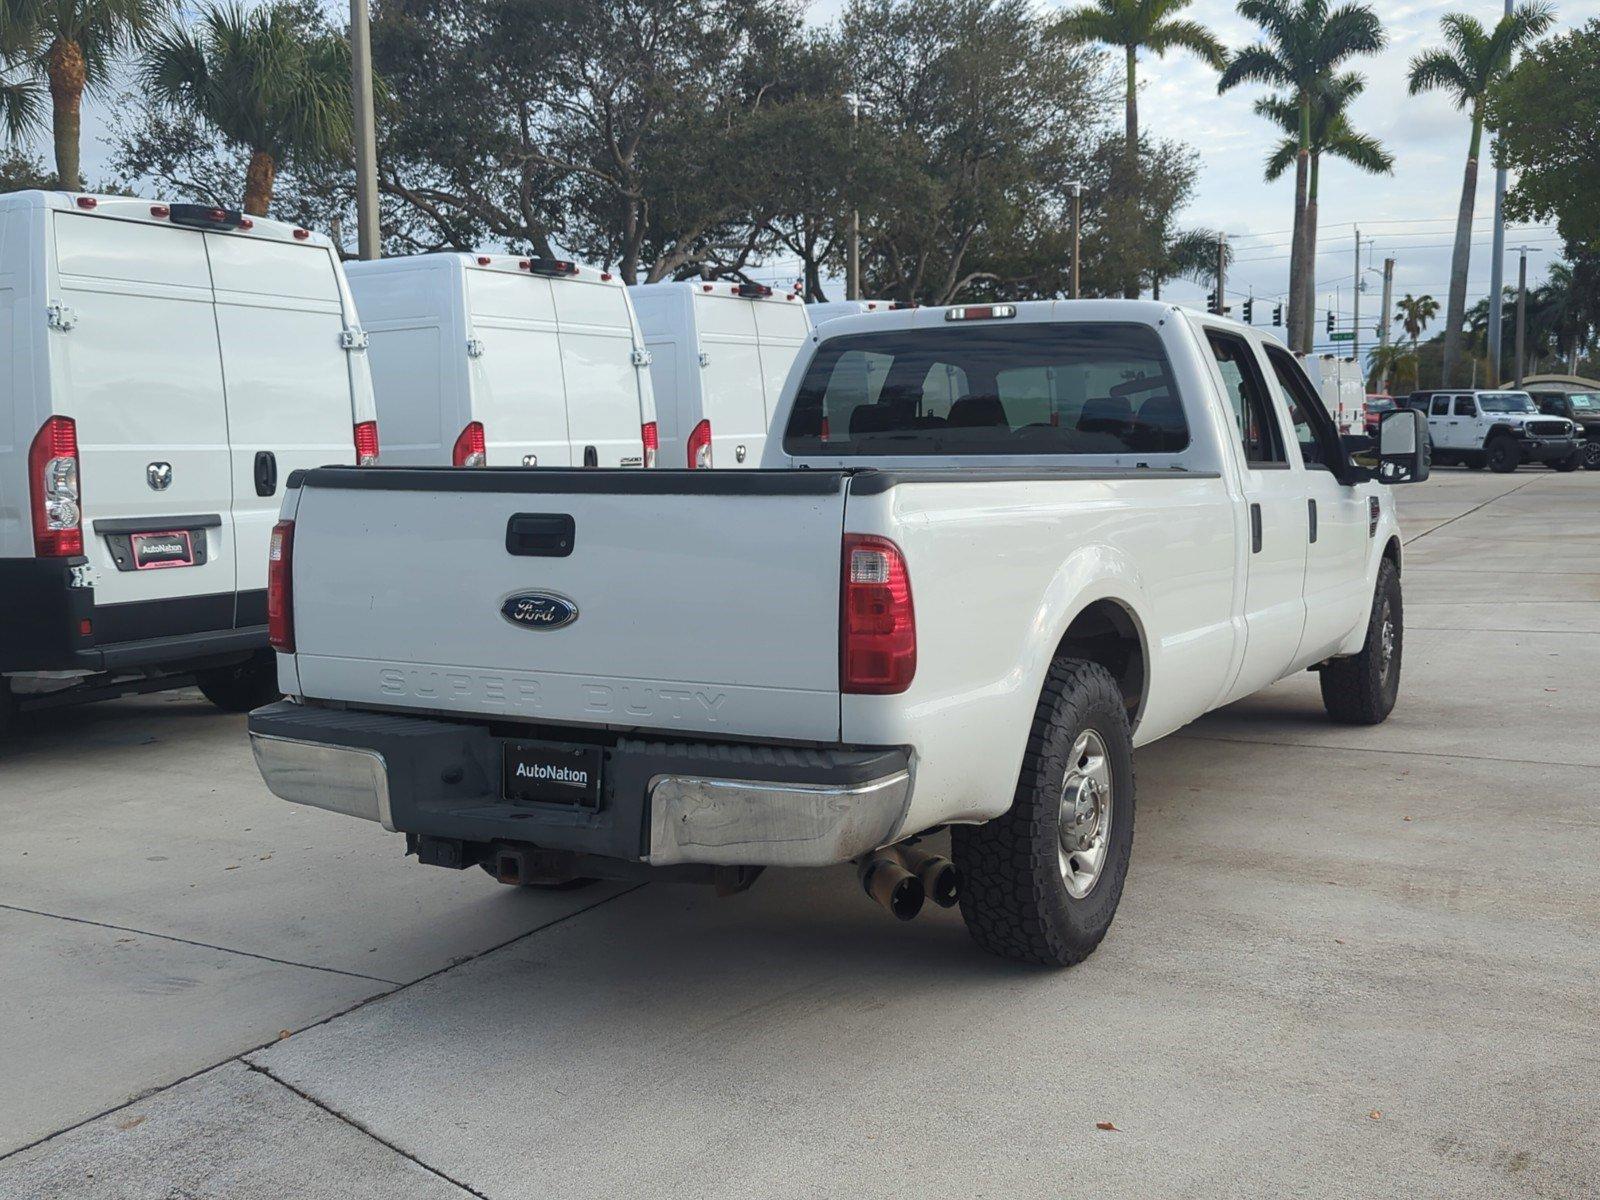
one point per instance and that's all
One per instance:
(140, 373)
(604, 405)
(279, 317)
(731, 393)
(518, 392)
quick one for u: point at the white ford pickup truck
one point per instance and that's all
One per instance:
(992, 550)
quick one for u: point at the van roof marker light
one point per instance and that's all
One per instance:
(160, 210)
(981, 312)
(301, 235)
(87, 202)
(484, 260)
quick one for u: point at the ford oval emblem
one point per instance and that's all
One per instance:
(539, 610)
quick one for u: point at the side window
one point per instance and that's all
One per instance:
(1465, 407)
(1313, 428)
(1247, 396)
(1441, 407)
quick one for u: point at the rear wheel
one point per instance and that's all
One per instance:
(243, 686)
(1591, 455)
(1361, 690)
(1041, 882)
(1571, 463)
(1503, 455)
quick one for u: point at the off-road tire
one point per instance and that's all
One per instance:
(1013, 897)
(243, 686)
(1591, 455)
(1362, 689)
(1571, 463)
(1502, 455)
(1473, 462)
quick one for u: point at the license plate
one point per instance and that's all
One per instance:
(546, 773)
(152, 551)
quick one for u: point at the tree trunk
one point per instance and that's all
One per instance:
(1130, 168)
(259, 178)
(1299, 319)
(1460, 258)
(1308, 266)
(68, 73)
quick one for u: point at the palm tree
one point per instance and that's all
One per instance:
(267, 81)
(1304, 42)
(1389, 358)
(72, 45)
(1189, 254)
(1472, 62)
(1414, 313)
(1135, 25)
(1331, 134)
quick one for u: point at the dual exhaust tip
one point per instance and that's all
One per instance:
(903, 878)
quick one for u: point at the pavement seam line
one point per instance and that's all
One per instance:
(1470, 511)
(363, 1129)
(1239, 741)
(172, 937)
(343, 1012)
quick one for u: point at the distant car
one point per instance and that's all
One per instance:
(1583, 410)
(1376, 407)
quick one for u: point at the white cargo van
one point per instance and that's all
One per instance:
(497, 360)
(719, 355)
(827, 310)
(167, 366)
(1342, 388)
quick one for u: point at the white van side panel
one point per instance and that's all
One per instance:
(141, 374)
(279, 316)
(519, 388)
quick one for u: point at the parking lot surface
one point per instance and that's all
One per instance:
(1355, 962)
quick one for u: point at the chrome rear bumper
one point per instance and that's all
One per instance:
(338, 778)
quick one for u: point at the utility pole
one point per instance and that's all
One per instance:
(1222, 274)
(1355, 326)
(1522, 311)
(852, 283)
(1384, 314)
(1077, 235)
(1497, 267)
(366, 136)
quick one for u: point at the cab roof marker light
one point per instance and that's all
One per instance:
(981, 312)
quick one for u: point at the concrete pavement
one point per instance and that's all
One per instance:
(1352, 962)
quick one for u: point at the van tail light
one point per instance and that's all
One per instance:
(366, 443)
(280, 588)
(470, 450)
(651, 437)
(700, 445)
(53, 481)
(877, 627)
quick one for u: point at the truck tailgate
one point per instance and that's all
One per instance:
(705, 602)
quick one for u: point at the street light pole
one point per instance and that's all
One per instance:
(1355, 326)
(1522, 311)
(1497, 266)
(1222, 274)
(1077, 235)
(366, 138)
(852, 283)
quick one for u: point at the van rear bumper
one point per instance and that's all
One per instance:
(662, 803)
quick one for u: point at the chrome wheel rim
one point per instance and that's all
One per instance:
(1387, 637)
(1084, 824)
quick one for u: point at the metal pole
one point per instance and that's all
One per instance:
(852, 283)
(1497, 266)
(365, 131)
(1222, 274)
(1522, 310)
(1355, 327)
(1077, 237)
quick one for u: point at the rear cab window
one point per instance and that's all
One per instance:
(1037, 388)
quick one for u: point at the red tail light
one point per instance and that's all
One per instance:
(366, 443)
(700, 445)
(877, 627)
(280, 588)
(651, 436)
(470, 450)
(57, 498)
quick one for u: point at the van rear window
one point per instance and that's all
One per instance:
(1072, 388)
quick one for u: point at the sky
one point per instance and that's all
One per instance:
(1409, 215)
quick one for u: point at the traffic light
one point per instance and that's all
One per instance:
(1211, 302)
(1277, 315)
(1250, 310)
(1330, 321)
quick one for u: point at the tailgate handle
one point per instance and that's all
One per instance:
(266, 472)
(540, 535)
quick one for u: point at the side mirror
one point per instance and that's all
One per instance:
(1404, 452)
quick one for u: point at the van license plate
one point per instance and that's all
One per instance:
(544, 773)
(155, 550)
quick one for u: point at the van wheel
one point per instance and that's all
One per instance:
(1503, 455)
(1041, 882)
(1361, 689)
(243, 686)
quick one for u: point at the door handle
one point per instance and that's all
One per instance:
(266, 472)
(1311, 510)
(591, 457)
(1255, 529)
